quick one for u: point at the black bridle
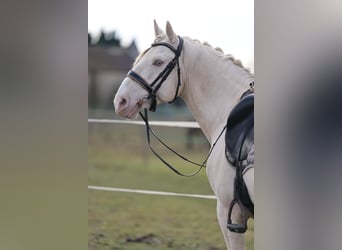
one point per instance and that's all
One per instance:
(157, 83)
(152, 96)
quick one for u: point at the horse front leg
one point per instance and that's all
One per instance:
(234, 241)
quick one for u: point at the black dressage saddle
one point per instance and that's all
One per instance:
(240, 131)
(239, 143)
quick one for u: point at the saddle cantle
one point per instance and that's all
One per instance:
(240, 143)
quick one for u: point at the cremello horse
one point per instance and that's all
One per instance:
(210, 83)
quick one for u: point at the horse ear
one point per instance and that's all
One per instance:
(170, 33)
(157, 31)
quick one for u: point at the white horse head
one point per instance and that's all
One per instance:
(154, 75)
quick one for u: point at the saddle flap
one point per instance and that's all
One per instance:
(240, 122)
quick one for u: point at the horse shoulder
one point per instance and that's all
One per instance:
(220, 173)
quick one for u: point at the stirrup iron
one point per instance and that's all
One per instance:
(234, 227)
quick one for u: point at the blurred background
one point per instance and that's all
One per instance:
(47, 161)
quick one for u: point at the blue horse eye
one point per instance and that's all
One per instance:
(158, 62)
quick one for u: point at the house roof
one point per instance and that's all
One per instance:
(110, 58)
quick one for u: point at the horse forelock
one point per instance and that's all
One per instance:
(157, 39)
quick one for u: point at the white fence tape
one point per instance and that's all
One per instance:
(139, 191)
(152, 123)
(180, 124)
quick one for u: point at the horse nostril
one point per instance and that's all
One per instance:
(123, 102)
(120, 103)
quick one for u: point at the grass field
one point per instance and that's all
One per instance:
(118, 157)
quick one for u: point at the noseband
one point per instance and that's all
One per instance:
(156, 84)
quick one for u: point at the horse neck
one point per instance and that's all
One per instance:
(212, 86)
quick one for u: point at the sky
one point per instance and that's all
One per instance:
(228, 24)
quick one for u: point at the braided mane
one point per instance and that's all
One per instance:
(230, 57)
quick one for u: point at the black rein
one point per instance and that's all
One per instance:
(149, 130)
